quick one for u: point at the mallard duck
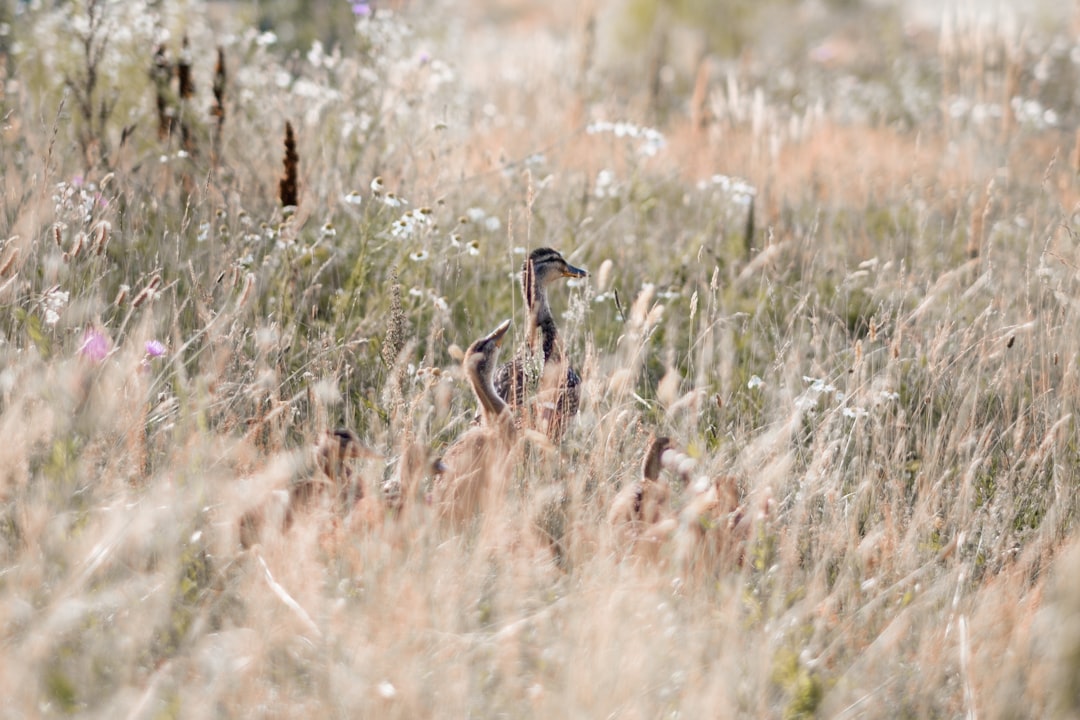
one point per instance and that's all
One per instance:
(557, 383)
(478, 461)
(640, 511)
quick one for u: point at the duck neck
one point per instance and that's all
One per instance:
(548, 334)
(490, 402)
(540, 317)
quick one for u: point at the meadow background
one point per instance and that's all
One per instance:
(834, 256)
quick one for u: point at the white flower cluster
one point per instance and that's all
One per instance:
(437, 300)
(738, 190)
(410, 224)
(817, 388)
(651, 140)
(76, 201)
(53, 303)
(480, 217)
(605, 186)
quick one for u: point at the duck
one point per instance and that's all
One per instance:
(417, 465)
(477, 464)
(328, 477)
(711, 527)
(558, 383)
(639, 514)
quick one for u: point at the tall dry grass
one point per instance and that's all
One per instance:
(849, 298)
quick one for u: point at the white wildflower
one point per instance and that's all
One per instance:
(392, 200)
(604, 187)
(54, 302)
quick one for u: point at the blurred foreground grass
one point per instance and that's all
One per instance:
(837, 267)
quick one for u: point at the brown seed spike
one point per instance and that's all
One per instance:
(288, 190)
(186, 89)
(183, 71)
(220, 77)
(217, 111)
(396, 328)
(161, 72)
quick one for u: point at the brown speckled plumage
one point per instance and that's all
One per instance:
(557, 384)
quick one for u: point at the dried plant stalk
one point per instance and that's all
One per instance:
(288, 186)
(186, 90)
(395, 325)
(161, 73)
(186, 85)
(217, 110)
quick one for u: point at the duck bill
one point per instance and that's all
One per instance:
(574, 272)
(496, 336)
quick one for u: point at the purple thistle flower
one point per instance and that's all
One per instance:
(95, 345)
(361, 9)
(155, 348)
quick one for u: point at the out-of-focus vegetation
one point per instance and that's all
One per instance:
(833, 254)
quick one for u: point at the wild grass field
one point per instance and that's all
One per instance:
(833, 253)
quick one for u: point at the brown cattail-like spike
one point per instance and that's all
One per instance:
(161, 73)
(9, 261)
(183, 72)
(218, 108)
(101, 238)
(147, 293)
(288, 190)
(77, 245)
(186, 88)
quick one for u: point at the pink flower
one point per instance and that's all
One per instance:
(95, 345)
(155, 348)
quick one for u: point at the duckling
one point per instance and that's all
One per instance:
(710, 526)
(559, 384)
(416, 464)
(639, 513)
(328, 473)
(478, 462)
